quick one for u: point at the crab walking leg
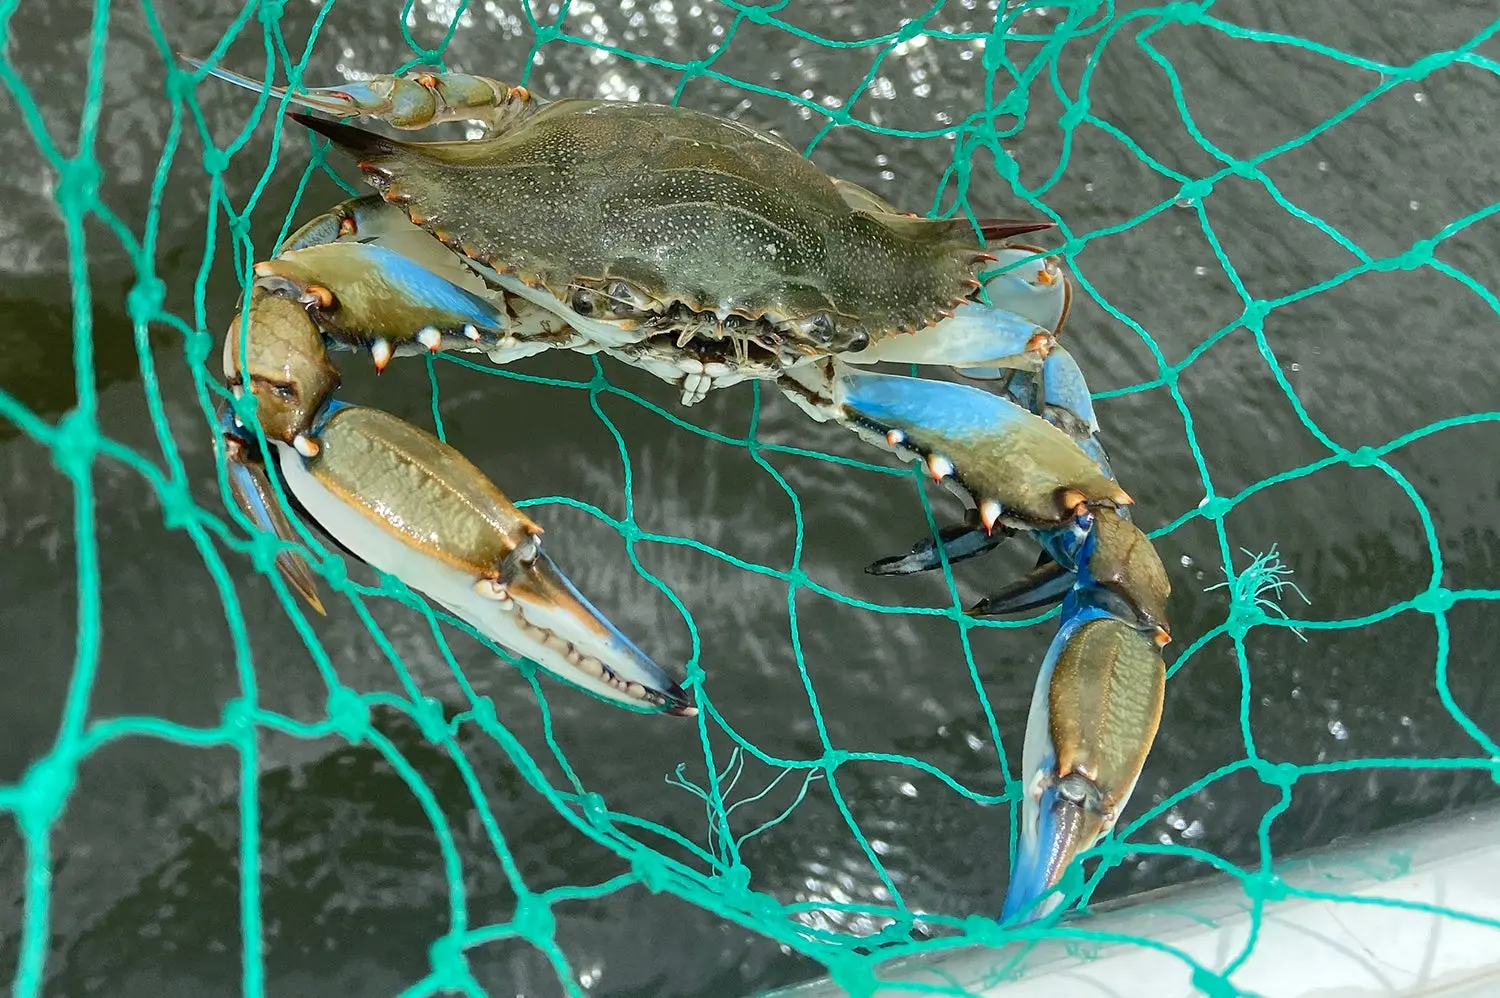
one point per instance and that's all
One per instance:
(1016, 468)
(1068, 405)
(1036, 290)
(412, 101)
(1094, 714)
(411, 506)
(974, 335)
(956, 541)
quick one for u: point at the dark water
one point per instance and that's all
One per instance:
(145, 887)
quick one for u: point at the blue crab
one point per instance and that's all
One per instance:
(709, 253)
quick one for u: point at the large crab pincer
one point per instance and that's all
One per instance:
(1098, 696)
(1094, 713)
(403, 501)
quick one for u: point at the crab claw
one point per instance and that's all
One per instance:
(1019, 470)
(1107, 561)
(1094, 715)
(363, 294)
(1110, 563)
(408, 504)
(279, 360)
(407, 102)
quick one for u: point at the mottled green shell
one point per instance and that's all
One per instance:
(689, 207)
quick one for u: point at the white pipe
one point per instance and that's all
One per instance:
(1344, 947)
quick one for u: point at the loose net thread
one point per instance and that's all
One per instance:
(77, 442)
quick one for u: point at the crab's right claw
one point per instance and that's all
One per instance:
(252, 492)
(407, 102)
(1120, 570)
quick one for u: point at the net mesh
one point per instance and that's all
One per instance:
(709, 874)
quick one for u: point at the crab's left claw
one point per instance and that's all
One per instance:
(1094, 715)
(279, 360)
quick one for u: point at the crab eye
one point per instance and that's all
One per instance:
(584, 301)
(858, 341)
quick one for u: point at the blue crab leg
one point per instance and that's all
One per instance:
(363, 218)
(285, 369)
(408, 504)
(1070, 407)
(1037, 291)
(1108, 561)
(413, 101)
(1094, 715)
(1041, 587)
(365, 295)
(959, 541)
(974, 335)
(1017, 469)
(432, 286)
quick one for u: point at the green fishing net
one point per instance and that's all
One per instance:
(1019, 56)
